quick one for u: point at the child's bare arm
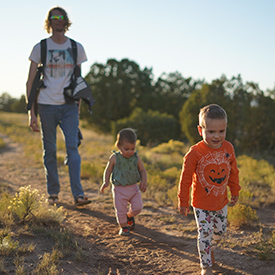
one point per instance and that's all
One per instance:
(107, 173)
(143, 175)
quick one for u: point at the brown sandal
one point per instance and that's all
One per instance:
(82, 200)
(53, 199)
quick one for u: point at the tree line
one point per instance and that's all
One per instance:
(167, 108)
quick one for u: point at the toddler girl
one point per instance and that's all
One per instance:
(125, 169)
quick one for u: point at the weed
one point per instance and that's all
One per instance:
(167, 219)
(65, 240)
(265, 246)
(171, 146)
(257, 179)
(25, 202)
(92, 170)
(241, 215)
(2, 143)
(49, 264)
(2, 266)
(29, 205)
(173, 196)
(6, 216)
(7, 246)
(19, 266)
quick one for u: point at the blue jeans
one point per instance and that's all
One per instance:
(66, 116)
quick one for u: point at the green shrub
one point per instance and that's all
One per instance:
(170, 147)
(152, 127)
(49, 264)
(29, 205)
(173, 196)
(257, 179)
(92, 170)
(2, 143)
(162, 161)
(265, 245)
(6, 216)
(241, 215)
(7, 245)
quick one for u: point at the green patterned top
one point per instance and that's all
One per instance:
(125, 171)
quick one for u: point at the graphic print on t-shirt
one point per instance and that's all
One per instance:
(59, 62)
(213, 172)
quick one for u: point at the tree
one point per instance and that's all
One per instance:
(118, 87)
(19, 106)
(208, 94)
(6, 102)
(258, 132)
(152, 127)
(171, 91)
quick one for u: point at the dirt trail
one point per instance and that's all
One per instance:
(161, 243)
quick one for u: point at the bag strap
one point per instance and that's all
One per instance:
(37, 84)
(74, 49)
(43, 51)
(76, 72)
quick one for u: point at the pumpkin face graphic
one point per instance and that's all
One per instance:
(216, 174)
(213, 172)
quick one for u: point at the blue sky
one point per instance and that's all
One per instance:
(202, 39)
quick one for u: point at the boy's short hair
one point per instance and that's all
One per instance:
(126, 134)
(212, 111)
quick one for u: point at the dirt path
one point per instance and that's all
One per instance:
(163, 242)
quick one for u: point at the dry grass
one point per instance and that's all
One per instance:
(163, 165)
(163, 162)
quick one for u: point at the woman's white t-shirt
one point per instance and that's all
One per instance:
(58, 69)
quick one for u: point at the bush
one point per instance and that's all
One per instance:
(173, 196)
(257, 179)
(265, 246)
(171, 147)
(241, 215)
(92, 170)
(152, 127)
(29, 205)
(2, 143)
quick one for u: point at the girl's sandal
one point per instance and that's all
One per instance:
(53, 199)
(82, 200)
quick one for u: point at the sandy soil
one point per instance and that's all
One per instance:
(163, 242)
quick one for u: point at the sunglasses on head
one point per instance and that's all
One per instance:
(56, 17)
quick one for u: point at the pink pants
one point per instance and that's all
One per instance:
(124, 195)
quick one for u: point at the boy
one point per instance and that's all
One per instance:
(209, 166)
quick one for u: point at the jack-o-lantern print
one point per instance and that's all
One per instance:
(213, 172)
(216, 174)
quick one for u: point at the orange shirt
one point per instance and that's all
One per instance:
(209, 171)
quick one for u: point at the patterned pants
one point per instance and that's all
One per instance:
(211, 227)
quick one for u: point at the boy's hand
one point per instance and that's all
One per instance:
(142, 186)
(233, 200)
(103, 186)
(184, 210)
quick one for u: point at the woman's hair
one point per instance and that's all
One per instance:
(127, 134)
(212, 111)
(48, 27)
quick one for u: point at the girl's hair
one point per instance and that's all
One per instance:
(48, 27)
(127, 134)
(212, 111)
